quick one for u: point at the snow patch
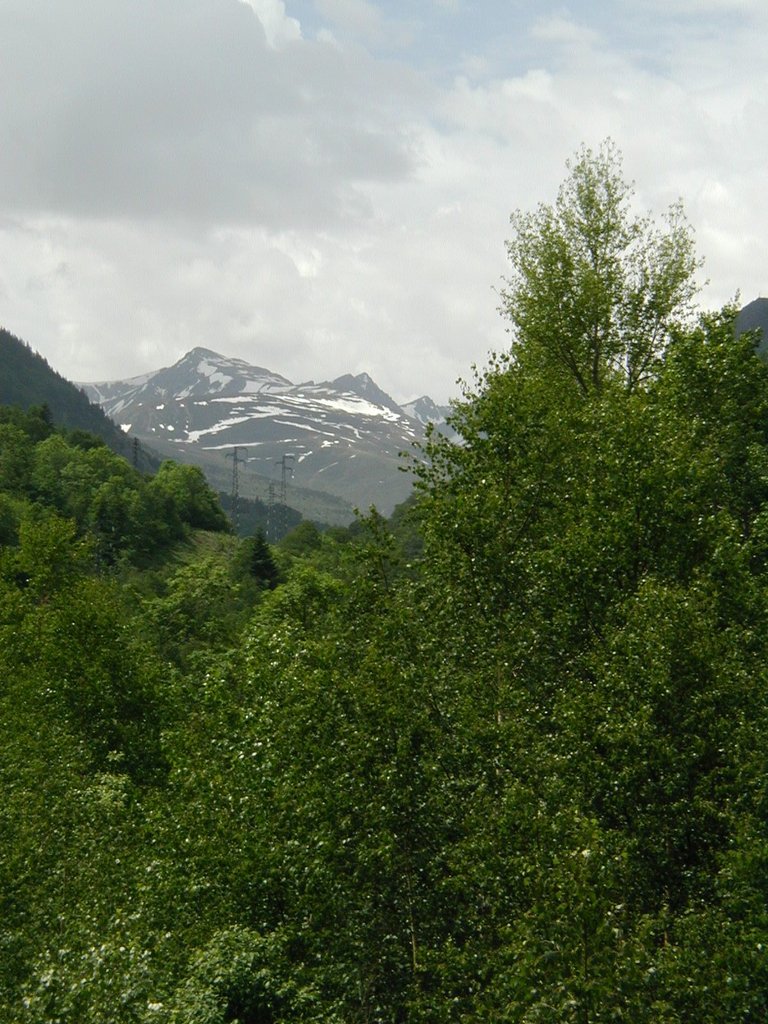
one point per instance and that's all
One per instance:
(300, 426)
(195, 435)
(255, 411)
(214, 374)
(255, 386)
(228, 447)
(360, 407)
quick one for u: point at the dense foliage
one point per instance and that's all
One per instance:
(501, 758)
(74, 475)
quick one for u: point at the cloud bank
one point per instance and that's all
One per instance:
(324, 188)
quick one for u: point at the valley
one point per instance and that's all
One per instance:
(342, 438)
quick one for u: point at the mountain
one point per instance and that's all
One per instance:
(752, 317)
(26, 379)
(342, 436)
(425, 411)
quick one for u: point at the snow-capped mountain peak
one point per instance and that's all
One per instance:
(424, 410)
(344, 435)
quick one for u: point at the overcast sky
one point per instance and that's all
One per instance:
(324, 186)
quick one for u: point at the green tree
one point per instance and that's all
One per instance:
(199, 612)
(51, 456)
(303, 539)
(595, 555)
(254, 561)
(196, 503)
(594, 290)
(15, 459)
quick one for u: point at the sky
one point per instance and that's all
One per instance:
(324, 187)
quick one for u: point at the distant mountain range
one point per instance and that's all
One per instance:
(343, 437)
(334, 444)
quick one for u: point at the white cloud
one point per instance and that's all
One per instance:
(278, 27)
(564, 31)
(365, 22)
(216, 172)
(198, 119)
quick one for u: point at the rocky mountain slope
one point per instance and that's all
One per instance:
(342, 436)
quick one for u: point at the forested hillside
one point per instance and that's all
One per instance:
(27, 380)
(500, 758)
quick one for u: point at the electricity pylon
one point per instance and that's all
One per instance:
(236, 461)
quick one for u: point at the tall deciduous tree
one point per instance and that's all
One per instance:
(594, 289)
(597, 543)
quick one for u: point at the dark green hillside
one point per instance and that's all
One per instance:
(27, 379)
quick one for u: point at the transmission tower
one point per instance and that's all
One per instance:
(271, 515)
(286, 470)
(236, 462)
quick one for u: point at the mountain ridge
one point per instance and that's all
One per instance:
(343, 436)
